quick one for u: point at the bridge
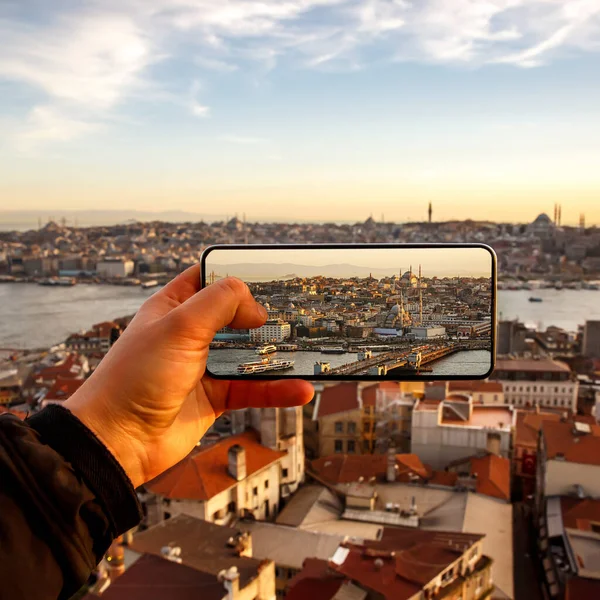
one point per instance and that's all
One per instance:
(399, 359)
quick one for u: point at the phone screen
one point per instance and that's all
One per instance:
(359, 312)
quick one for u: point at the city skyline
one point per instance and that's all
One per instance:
(310, 109)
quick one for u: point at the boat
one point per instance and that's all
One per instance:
(264, 366)
(58, 282)
(333, 350)
(145, 285)
(268, 349)
(287, 347)
(535, 299)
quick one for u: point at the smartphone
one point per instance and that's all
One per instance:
(359, 311)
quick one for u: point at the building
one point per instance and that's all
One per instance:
(511, 338)
(483, 392)
(209, 549)
(402, 565)
(568, 461)
(271, 331)
(428, 333)
(422, 508)
(456, 428)
(110, 268)
(591, 339)
(288, 548)
(337, 421)
(525, 447)
(98, 339)
(530, 382)
(61, 390)
(155, 578)
(248, 474)
(569, 547)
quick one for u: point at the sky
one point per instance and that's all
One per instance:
(439, 262)
(302, 109)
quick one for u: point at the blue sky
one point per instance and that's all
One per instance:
(312, 109)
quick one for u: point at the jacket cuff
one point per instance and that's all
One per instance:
(60, 429)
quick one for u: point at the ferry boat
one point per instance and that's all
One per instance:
(264, 366)
(535, 299)
(333, 350)
(59, 281)
(287, 347)
(268, 349)
(145, 285)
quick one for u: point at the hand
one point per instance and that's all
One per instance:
(149, 401)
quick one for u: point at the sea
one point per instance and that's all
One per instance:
(34, 316)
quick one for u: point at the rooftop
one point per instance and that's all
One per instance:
(154, 578)
(543, 365)
(289, 546)
(474, 386)
(579, 513)
(338, 398)
(563, 443)
(493, 476)
(346, 468)
(63, 388)
(492, 417)
(528, 425)
(204, 546)
(204, 473)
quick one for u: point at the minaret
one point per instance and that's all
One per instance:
(582, 222)
(420, 299)
(430, 212)
(555, 214)
(559, 214)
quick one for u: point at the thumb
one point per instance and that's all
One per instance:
(226, 302)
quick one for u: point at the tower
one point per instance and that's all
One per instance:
(555, 214)
(420, 299)
(582, 222)
(559, 214)
(430, 211)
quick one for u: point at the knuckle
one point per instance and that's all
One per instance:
(234, 285)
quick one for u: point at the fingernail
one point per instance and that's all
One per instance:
(262, 311)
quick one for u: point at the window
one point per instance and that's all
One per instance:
(535, 388)
(217, 515)
(231, 507)
(255, 491)
(351, 446)
(351, 427)
(339, 427)
(495, 397)
(366, 426)
(266, 484)
(284, 473)
(366, 446)
(339, 447)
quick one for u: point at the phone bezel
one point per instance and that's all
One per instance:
(251, 247)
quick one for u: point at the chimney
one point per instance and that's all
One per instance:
(237, 462)
(230, 578)
(413, 506)
(391, 465)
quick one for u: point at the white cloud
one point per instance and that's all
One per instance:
(89, 58)
(243, 140)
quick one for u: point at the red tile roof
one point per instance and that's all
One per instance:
(69, 368)
(561, 441)
(446, 478)
(580, 513)
(493, 476)
(581, 588)
(528, 426)
(545, 365)
(154, 578)
(63, 388)
(369, 393)
(203, 474)
(316, 581)
(348, 468)
(338, 398)
(474, 386)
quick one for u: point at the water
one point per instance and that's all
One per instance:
(225, 362)
(37, 316)
(562, 308)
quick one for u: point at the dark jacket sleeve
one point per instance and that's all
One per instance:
(63, 499)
